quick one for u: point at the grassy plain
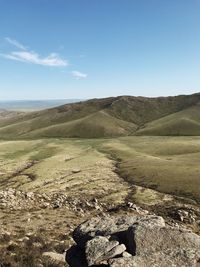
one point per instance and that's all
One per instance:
(74, 167)
(87, 166)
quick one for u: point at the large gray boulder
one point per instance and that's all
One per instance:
(106, 226)
(145, 240)
(172, 258)
(134, 241)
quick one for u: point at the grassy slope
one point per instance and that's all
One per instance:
(70, 166)
(84, 120)
(141, 110)
(59, 114)
(166, 164)
(186, 122)
(99, 124)
(37, 120)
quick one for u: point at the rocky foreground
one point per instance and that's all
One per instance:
(42, 228)
(131, 241)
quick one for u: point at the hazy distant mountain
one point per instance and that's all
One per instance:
(5, 114)
(108, 117)
(31, 105)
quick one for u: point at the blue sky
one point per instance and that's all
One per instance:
(53, 49)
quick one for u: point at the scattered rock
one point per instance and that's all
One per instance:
(13, 199)
(187, 216)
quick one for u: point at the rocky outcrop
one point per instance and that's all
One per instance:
(133, 241)
(114, 226)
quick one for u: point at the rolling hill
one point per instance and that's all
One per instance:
(6, 114)
(109, 117)
(182, 123)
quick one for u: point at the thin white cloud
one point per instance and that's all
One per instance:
(78, 75)
(53, 59)
(15, 43)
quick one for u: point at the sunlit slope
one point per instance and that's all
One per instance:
(25, 124)
(108, 117)
(166, 164)
(186, 122)
(57, 115)
(99, 124)
(141, 110)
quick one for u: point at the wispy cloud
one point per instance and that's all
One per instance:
(15, 43)
(31, 57)
(78, 75)
(53, 59)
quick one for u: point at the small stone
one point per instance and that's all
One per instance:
(130, 204)
(30, 195)
(76, 170)
(95, 200)
(54, 256)
(125, 254)
(37, 245)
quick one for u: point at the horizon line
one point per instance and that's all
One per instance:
(99, 97)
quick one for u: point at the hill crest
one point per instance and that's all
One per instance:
(108, 117)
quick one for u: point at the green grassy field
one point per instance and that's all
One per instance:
(71, 166)
(166, 164)
(87, 166)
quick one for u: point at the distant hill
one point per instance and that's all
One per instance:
(109, 117)
(33, 105)
(6, 114)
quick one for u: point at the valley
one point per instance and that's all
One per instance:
(114, 165)
(49, 186)
(99, 133)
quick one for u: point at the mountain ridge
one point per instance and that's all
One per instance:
(109, 117)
